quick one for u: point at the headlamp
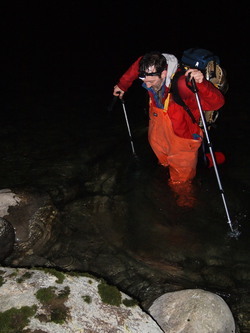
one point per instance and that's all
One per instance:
(142, 75)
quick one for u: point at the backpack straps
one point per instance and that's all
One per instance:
(176, 96)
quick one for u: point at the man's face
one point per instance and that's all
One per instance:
(154, 82)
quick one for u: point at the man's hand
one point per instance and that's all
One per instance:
(118, 92)
(195, 74)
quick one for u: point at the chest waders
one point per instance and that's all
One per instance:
(179, 154)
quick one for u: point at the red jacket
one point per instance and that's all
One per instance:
(210, 97)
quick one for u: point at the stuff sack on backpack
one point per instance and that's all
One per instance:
(209, 64)
(198, 58)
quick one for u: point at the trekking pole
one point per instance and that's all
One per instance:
(195, 90)
(129, 132)
(110, 107)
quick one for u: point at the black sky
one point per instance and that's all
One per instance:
(47, 41)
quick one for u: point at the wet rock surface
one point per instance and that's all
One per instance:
(36, 226)
(7, 238)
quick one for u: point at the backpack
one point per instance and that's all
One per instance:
(198, 58)
(209, 64)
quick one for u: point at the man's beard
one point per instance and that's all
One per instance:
(158, 87)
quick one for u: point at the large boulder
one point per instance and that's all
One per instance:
(192, 311)
(54, 302)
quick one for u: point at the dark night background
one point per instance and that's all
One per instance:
(81, 48)
(60, 61)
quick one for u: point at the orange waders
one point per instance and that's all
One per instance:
(180, 154)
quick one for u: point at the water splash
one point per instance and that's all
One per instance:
(235, 232)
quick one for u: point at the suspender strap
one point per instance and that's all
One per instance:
(176, 96)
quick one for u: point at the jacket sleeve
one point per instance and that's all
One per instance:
(210, 97)
(129, 76)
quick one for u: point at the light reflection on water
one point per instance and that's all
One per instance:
(161, 230)
(193, 246)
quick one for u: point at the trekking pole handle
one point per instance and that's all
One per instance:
(111, 105)
(121, 98)
(194, 86)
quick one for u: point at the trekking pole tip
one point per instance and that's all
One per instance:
(235, 233)
(136, 156)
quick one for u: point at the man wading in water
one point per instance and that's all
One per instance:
(173, 134)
